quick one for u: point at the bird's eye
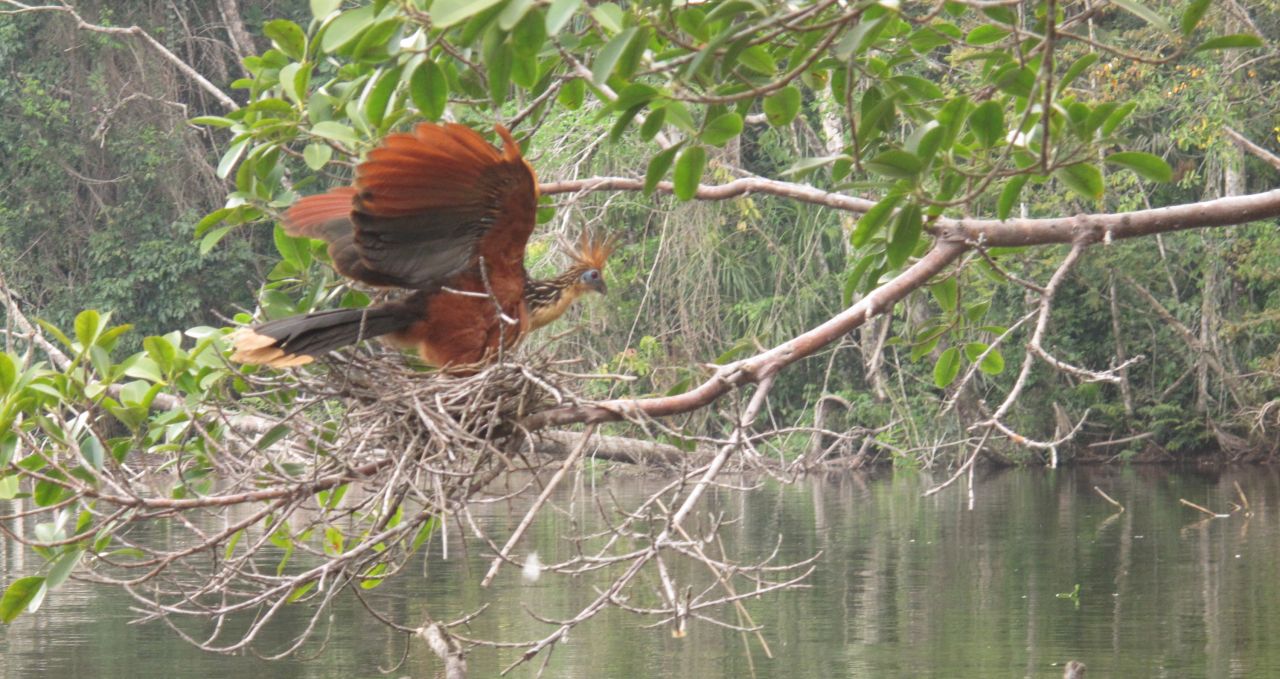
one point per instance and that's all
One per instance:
(590, 275)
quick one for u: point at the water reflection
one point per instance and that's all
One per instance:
(906, 586)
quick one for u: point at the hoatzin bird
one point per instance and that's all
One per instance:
(441, 212)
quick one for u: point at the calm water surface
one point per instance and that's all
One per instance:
(906, 586)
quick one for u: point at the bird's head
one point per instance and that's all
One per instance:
(589, 257)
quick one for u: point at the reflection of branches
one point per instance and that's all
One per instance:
(673, 537)
(365, 460)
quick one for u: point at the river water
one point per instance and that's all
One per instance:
(950, 585)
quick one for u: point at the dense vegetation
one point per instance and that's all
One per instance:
(103, 184)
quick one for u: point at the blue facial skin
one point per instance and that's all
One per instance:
(592, 279)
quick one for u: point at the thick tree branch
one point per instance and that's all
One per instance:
(1270, 158)
(988, 232)
(955, 236)
(136, 31)
(766, 364)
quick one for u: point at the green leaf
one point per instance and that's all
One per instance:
(1084, 179)
(946, 293)
(294, 80)
(860, 38)
(992, 364)
(609, 16)
(317, 155)
(758, 59)
(1145, 165)
(144, 368)
(1192, 16)
(906, 234)
(608, 56)
(1076, 68)
(986, 34)
(987, 123)
(9, 487)
(375, 105)
(855, 277)
(445, 13)
(88, 325)
(692, 21)
(62, 568)
(212, 121)
(8, 373)
(623, 122)
(429, 90)
(633, 95)
(336, 131)
(1227, 42)
(272, 436)
(633, 53)
(731, 9)
(874, 219)
(529, 36)
(212, 238)
(424, 533)
(500, 65)
(652, 124)
(296, 251)
(513, 13)
(345, 27)
(55, 331)
(688, 172)
(925, 140)
(807, 164)
(1143, 12)
(231, 157)
(947, 368)
(781, 107)
(323, 8)
(722, 128)
(1009, 195)
(301, 591)
(559, 14)
(658, 167)
(48, 493)
(93, 451)
(20, 594)
(161, 351)
(288, 37)
(896, 163)
(373, 43)
(572, 94)
(1118, 116)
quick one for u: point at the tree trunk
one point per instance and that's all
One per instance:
(1126, 392)
(241, 41)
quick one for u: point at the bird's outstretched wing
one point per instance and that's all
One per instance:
(425, 207)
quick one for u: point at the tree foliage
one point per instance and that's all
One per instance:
(872, 149)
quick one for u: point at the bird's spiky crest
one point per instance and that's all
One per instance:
(592, 250)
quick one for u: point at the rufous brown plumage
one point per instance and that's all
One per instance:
(439, 212)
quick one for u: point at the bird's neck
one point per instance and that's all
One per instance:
(548, 299)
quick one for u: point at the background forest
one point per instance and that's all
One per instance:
(935, 194)
(103, 183)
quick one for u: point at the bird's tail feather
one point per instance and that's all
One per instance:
(297, 340)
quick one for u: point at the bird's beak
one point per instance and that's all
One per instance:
(600, 287)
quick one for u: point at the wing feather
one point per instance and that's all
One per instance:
(425, 206)
(430, 203)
